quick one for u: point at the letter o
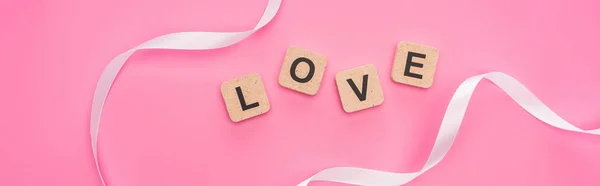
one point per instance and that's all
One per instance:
(311, 70)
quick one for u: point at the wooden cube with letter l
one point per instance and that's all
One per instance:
(245, 97)
(414, 64)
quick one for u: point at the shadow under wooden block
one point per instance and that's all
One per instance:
(302, 71)
(359, 88)
(414, 64)
(245, 97)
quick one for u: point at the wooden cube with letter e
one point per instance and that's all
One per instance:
(414, 64)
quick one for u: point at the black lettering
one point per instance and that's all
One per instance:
(240, 95)
(311, 70)
(361, 95)
(410, 63)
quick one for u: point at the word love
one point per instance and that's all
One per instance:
(303, 70)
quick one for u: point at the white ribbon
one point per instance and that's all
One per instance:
(175, 41)
(350, 175)
(448, 131)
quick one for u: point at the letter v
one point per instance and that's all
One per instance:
(361, 95)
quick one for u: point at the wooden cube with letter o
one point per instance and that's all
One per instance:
(302, 70)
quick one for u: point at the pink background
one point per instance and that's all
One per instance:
(165, 122)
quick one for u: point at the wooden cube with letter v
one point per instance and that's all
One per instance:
(359, 88)
(414, 64)
(245, 97)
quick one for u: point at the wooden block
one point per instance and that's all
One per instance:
(302, 71)
(245, 97)
(359, 88)
(414, 64)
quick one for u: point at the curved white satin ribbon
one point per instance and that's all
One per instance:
(349, 175)
(448, 130)
(176, 41)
